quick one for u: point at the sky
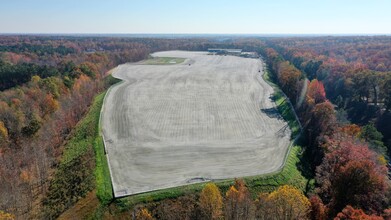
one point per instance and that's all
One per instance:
(196, 16)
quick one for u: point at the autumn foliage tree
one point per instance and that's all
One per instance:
(3, 135)
(144, 214)
(289, 77)
(289, 202)
(182, 208)
(211, 202)
(322, 119)
(6, 216)
(238, 202)
(350, 213)
(286, 202)
(351, 130)
(359, 184)
(318, 209)
(316, 106)
(316, 93)
(322, 123)
(350, 174)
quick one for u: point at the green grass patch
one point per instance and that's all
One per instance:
(102, 174)
(286, 112)
(110, 80)
(163, 61)
(283, 106)
(104, 188)
(74, 177)
(289, 175)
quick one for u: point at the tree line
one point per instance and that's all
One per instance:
(44, 96)
(286, 202)
(356, 73)
(349, 171)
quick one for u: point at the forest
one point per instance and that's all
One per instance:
(349, 160)
(340, 88)
(356, 74)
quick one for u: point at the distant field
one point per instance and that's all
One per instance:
(163, 61)
(172, 125)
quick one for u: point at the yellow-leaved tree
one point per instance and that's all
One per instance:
(3, 131)
(211, 202)
(6, 216)
(144, 214)
(3, 135)
(231, 203)
(286, 202)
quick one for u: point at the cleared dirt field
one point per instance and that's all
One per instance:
(171, 125)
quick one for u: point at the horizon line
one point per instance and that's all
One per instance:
(167, 33)
(194, 34)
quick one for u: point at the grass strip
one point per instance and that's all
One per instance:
(163, 61)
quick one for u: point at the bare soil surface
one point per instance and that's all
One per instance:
(210, 117)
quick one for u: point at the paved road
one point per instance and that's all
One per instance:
(170, 125)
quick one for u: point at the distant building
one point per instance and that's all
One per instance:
(236, 52)
(225, 51)
(250, 54)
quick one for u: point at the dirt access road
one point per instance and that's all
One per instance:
(171, 125)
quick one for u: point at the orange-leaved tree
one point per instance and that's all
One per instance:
(350, 213)
(316, 93)
(318, 209)
(238, 202)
